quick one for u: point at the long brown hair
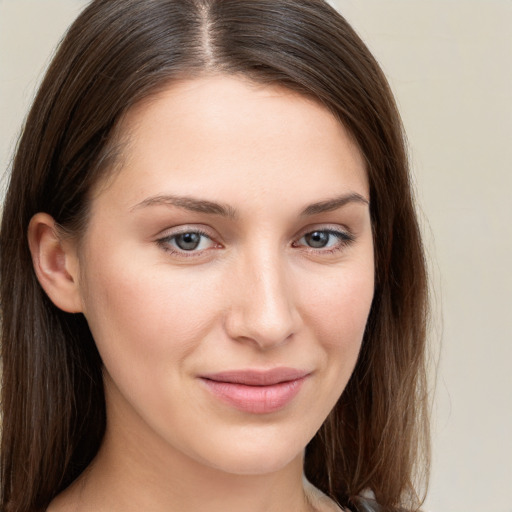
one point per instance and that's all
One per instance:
(116, 53)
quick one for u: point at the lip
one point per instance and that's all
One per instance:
(256, 391)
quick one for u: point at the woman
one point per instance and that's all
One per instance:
(212, 280)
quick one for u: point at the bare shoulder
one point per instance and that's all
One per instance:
(319, 501)
(67, 500)
(61, 504)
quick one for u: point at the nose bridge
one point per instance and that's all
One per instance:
(263, 308)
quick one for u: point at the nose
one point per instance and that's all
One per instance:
(262, 308)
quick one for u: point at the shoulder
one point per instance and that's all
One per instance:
(366, 502)
(319, 501)
(322, 503)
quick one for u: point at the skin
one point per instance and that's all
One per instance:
(254, 294)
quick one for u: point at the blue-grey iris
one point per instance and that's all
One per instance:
(188, 241)
(317, 239)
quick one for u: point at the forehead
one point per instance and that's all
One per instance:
(223, 131)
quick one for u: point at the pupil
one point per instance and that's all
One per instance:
(188, 241)
(317, 239)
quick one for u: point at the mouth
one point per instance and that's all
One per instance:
(255, 391)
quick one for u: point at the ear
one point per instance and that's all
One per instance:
(55, 263)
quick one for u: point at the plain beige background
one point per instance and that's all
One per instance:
(450, 65)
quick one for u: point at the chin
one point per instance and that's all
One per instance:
(257, 455)
(257, 464)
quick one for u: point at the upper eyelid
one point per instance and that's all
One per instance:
(333, 228)
(181, 229)
(174, 235)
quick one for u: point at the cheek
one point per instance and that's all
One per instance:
(339, 304)
(143, 313)
(337, 313)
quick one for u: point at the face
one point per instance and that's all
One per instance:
(227, 272)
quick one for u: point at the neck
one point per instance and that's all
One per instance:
(119, 482)
(138, 470)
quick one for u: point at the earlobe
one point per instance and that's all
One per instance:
(55, 263)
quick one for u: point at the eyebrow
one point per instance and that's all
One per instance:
(189, 203)
(210, 207)
(333, 204)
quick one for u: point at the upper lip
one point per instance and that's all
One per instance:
(253, 377)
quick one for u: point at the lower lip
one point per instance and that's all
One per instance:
(256, 399)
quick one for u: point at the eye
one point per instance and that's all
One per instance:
(327, 239)
(186, 242)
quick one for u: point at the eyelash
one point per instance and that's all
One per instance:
(344, 239)
(165, 242)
